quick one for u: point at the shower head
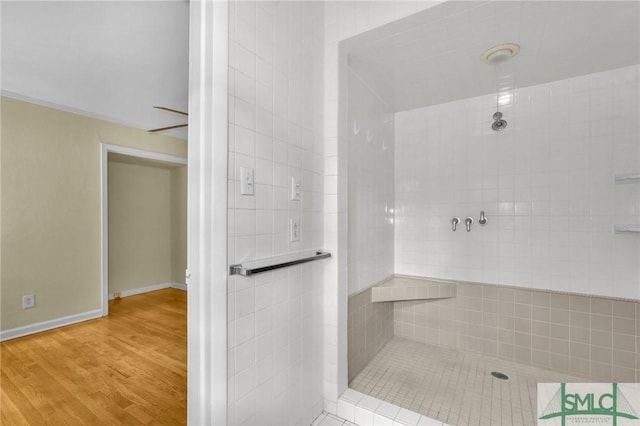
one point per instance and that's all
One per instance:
(498, 124)
(498, 55)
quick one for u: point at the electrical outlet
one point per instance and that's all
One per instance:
(294, 230)
(28, 301)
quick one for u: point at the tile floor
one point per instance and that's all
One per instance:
(453, 386)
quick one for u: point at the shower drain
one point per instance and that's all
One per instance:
(499, 375)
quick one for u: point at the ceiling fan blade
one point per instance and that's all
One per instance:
(162, 129)
(171, 110)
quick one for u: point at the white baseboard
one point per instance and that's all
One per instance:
(72, 319)
(179, 286)
(48, 325)
(154, 287)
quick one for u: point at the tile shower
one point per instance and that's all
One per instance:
(546, 286)
(546, 184)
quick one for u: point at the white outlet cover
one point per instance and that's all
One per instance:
(28, 301)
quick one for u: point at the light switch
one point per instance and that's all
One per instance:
(294, 230)
(246, 181)
(296, 189)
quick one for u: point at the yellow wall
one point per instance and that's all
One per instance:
(178, 224)
(50, 208)
(139, 226)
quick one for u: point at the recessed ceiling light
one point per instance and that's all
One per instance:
(500, 54)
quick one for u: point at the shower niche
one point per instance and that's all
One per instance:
(624, 179)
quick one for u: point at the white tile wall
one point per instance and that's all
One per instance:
(546, 184)
(275, 126)
(370, 188)
(342, 19)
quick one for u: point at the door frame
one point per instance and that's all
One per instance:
(105, 149)
(207, 213)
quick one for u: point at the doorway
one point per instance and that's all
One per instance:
(148, 241)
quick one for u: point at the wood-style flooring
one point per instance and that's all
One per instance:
(127, 368)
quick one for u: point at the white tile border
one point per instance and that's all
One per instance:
(346, 409)
(407, 417)
(365, 410)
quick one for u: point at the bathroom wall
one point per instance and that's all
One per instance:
(370, 220)
(546, 184)
(371, 188)
(585, 336)
(275, 338)
(343, 19)
(370, 326)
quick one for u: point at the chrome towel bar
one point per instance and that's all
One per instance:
(250, 269)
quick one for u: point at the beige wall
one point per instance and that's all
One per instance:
(586, 336)
(178, 224)
(369, 328)
(140, 231)
(50, 176)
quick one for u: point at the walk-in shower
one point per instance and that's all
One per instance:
(484, 259)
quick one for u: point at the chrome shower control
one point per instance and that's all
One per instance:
(454, 222)
(483, 218)
(468, 221)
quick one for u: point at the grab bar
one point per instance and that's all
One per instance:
(247, 271)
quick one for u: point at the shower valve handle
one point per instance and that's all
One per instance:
(454, 222)
(468, 221)
(483, 218)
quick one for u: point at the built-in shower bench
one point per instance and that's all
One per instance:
(402, 287)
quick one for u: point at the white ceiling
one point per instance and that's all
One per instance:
(108, 59)
(116, 59)
(434, 56)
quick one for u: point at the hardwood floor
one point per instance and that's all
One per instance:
(127, 368)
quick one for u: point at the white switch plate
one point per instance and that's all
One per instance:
(296, 189)
(294, 230)
(246, 181)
